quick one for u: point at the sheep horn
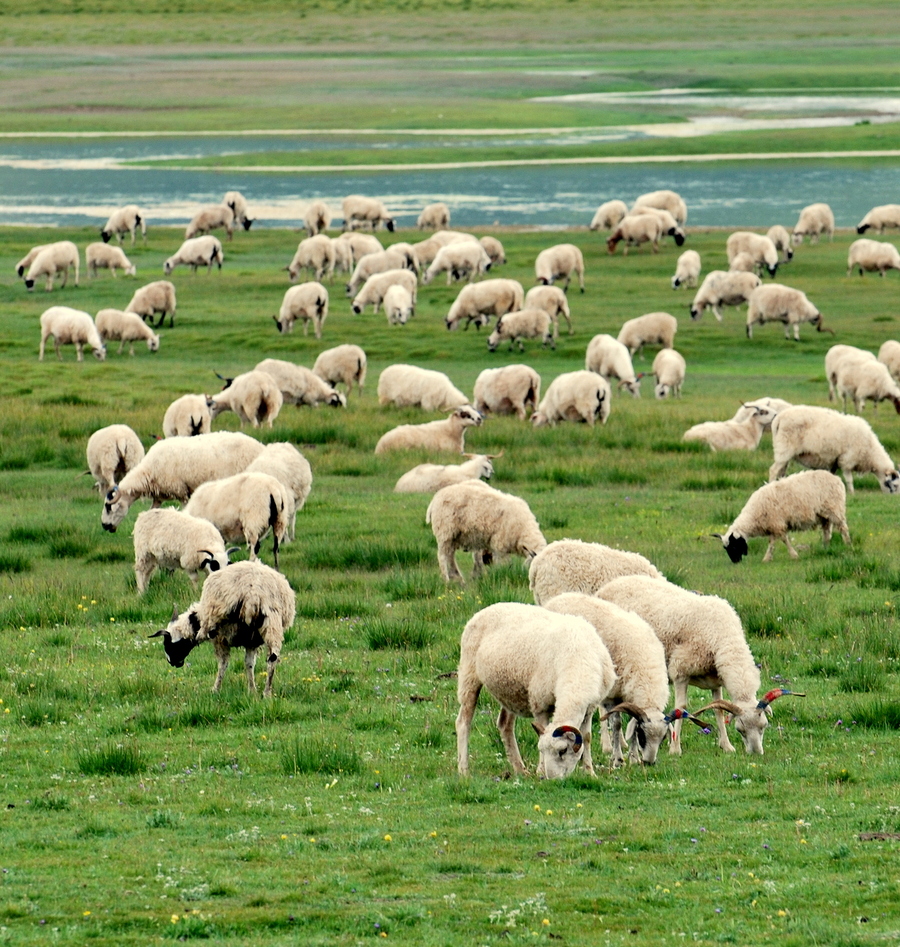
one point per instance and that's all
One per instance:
(679, 714)
(497, 456)
(561, 731)
(627, 708)
(725, 705)
(775, 694)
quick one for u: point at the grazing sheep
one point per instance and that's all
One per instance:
(494, 249)
(300, 385)
(608, 215)
(610, 358)
(837, 354)
(187, 416)
(521, 325)
(429, 478)
(408, 386)
(779, 303)
(670, 226)
(365, 212)
(102, 256)
(814, 220)
(70, 327)
(884, 215)
(872, 255)
(742, 263)
(687, 269)
(782, 240)
(307, 301)
(443, 237)
(248, 605)
(761, 249)
(343, 253)
(823, 439)
(254, 396)
(376, 286)
(125, 220)
(171, 539)
(889, 354)
(316, 254)
(398, 305)
(574, 396)
(664, 200)
(211, 218)
(486, 522)
(238, 204)
(155, 297)
(805, 500)
(28, 259)
(317, 218)
(197, 251)
(446, 435)
(54, 259)
(427, 250)
(534, 663)
(559, 262)
(866, 380)
(111, 452)
(655, 328)
(360, 244)
(669, 368)
(434, 217)
(344, 364)
(553, 301)
(513, 389)
(284, 462)
(744, 434)
(477, 302)
(462, 259)
(113, 324)
(635, 230)
(721, 288)
(396, 257)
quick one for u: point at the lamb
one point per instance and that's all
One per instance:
(317, 218)
(884, 215)
(823, 439)
(410, 386)
(211, 218)
(344, 364)
(372, 263)
(477, 302)
(559, 262)
(889, 354)
(814, 220)
(171, 539)
(460, 259)
(804, 500)
(705, 646)
(248, 605)
(552, 668)
(664, 200)
(174, 467)
(486, 522)
(54, 259)
(376, 286)
(574, 396)
(70, 327)
(669, 368)
(365, 212)
(284, 462)
(608, 215)
(155, 297)
(446, 435)
(670, 226)
(782, 240)
(513, 389)
(102, 256)
(434, 217)
(127, 327)
(570, 565)
(429, 478)
(238, 204)
(635, 230)
(308, 302)
(553, 301)
(315, 254)
(723, 288)
(300, 385)
(254, 396)
(655, 328)
(742, 263)
(687, 269)
(197, 251)
(744, 434)
(760, 248)
(398, 305)
(187, 416)
(521, 325)
(125, 220)
(111, 452)
(872, 255)
(360, 244)
(610, 358)
(494, 249)
(865, 380)
(28, 259)
(779, 303)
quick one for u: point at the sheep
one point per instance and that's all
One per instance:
(246, 505)
(155, 297)
(884, 215)
(742, 263)
(477, 302)
(486, 522)
(462, 258)
(409, 386)
(315, 254)
(889, 354)
(744, 434)
(125, 220)
(687, 269)
(301, 386)
(254, 396)
(343, 253)
(443, 237)
(705, 646)
(553, 301)
(664, 200)
(70, 327)
(864, 380)
(393, 258)
(804, 500)
(427, 250)
(111, 452)
(655, 328)
(248, 605)
(608, 215)
(101, 256)
(760, 248)
(360, 244)
(127, 327)
(445, 435)
(429, 478)
(317, 218)
(872, 255)
(513, 389)
(54, 259)
(570, 565)
(238, 204)
(365, 212)
(814, 220)
(171, 539)
(823, 439)
(552, 668)
(398, 305)
(307, 302)
(434, 217)
(642, 681)
(837, 354)
(284, 462)
(494, 249)
(521, 325)
(670, 226)
(28, 259)
(174, 467)
(187, 416)
(197, 251)
(574, 396)
(558, 262)
(779, 303)
(782, 240)
(669, 368)
(610, 358)
(635, 230)
(211, 218)
(344, 364)
(723, 288)
(376, 286)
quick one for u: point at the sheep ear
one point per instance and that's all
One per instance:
(538, 729)
(162, 633)
(174, 612)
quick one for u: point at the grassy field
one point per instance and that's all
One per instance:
(140, 808)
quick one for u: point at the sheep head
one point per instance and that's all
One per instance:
(115, 509)
(735, 546)
(890, 482)
(749, 719)
(646, 732)
(560, 750)
(180, 638)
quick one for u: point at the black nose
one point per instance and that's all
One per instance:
(109, 527)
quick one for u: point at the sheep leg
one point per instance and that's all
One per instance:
(771, 550)
(614, 738)
(826, 531)
(250, 667)
(223, 653)
(447, 562)
(791, 551)
(724, 742)
(469, 689)
(143, 571)
(586, 759)
(122, 346)
(271, 661)
(675, 732)
(506, 724)
(716, 313)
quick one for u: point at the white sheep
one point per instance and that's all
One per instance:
(211, 218)
(365, 212)
(396, 257)
(315, 254)
(823, 439)
(805, 500)
(429, 478)
(553, 301)
(884, 215)
(187, 416)
(742, 263)
(872, 255)
(398, 305)
(446, 435)
(125, 220)
(54, 259)
(171, 539)
(28, 259)
(687, 269)
(524, 324)
(238, 204)
(462, 259)
(317, 218)
(254, 396)
(768, 405)
(559, 262)
(889, 354)
(743, 434)
(343, 252)
(635, 230)
(155, 297)
(723, 288)
(574, 396)
(102, 256)
(360, 244)
(248, 605)
(115, 324)
(760, 248)
(534, 663)
(376, 286)
(664, 200)
(669, 368)
(608, 215)
(837, 354)
(494, 249)
(513, 389)
(610, 358)
(344, 364)
(670, 226)
(443, 237)
(815, 219)
(476, 518)
(301, 386)
(866, 380)
(111, 452)
(434, 217)
(782, 239)
(70, 327)
(197, 251)
(408, 386)
(655, 328)
(477, 302)
(284, 462)
(307, 302)
(776, 302)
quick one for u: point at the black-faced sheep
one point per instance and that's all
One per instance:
(53, 259)
(125, 220)
(307, 302)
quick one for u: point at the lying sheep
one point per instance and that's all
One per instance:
(477, 302)
(317, 218)
(610, 358)
(365, 212)
(197, 251)
(155, 297)
(360, 244)
(54, 259)
(408, 386)
(315, 254)
(744, 434)
(125, 220)
(553, 301)
(446, 435)
(398, 305)
(393, 258)
(114, 324)
(608, 215)
(823, 439)
(782, 240)
(429, 478)
(102, 256)
(779, 303)
(513, 389)
(552, 668)
(254, 396)
(814, 220)
(486, 522)
(70, 327)
(804, 500)
(434, 217)
(760, 248)
(238, 204)
(669, 368)
(687, 269)
(872, 255)
(867, 380)
(187, 416)
(284, 462)
(521, 325)
(655, 328)
(308, 302)
(494, 249)
(170, 539)
(462, 259)
(248, 605)
(574, 396)
(559, 262)
(376, 286)
(664, 200)
(211, 218)
(884, 215)
(721, 288)
(670, 226)
(111, 453)
(889, 354)
(635, 230)
(26, 261)
(300, 385)
(344, 364)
